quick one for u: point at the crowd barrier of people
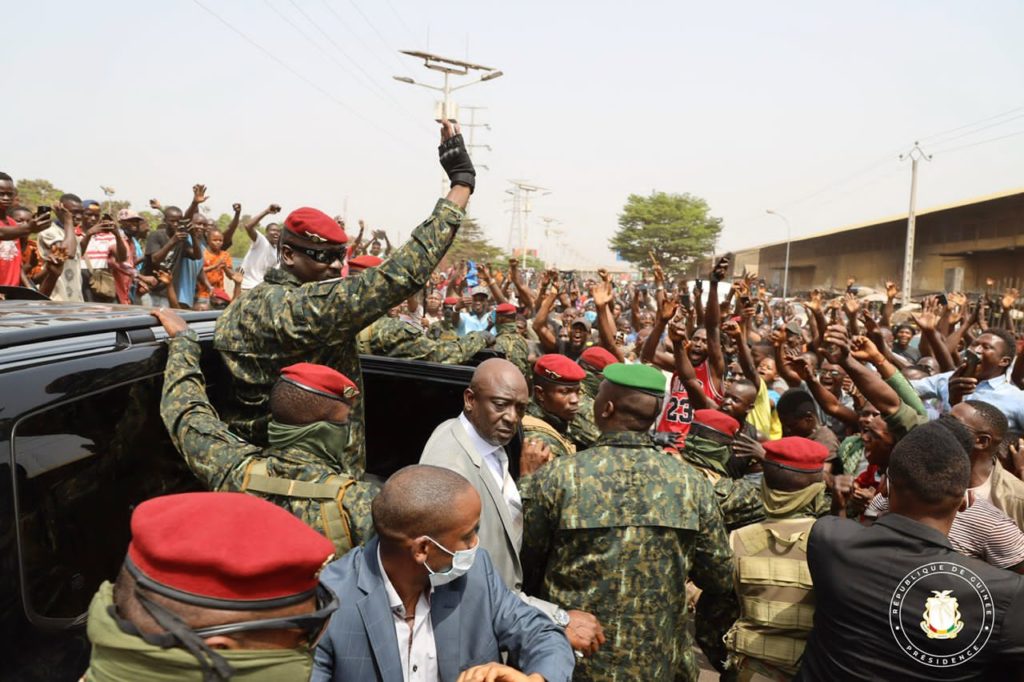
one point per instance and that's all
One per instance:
(827, 486)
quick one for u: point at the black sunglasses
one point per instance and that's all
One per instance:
(323, 256)
(312, 624)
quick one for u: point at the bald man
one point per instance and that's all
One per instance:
(422, 601)
(473, 445)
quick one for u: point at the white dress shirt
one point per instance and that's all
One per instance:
(497, 463)
(416, 645)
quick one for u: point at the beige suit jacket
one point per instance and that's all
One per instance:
(450, 447)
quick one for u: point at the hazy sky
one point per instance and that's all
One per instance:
(751, 105)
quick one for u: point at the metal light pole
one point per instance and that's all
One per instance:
(789, 238)
(449, 67)
(915, 155)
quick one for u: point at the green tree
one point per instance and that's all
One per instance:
(677, 228)
(32, 193)
(471, 244)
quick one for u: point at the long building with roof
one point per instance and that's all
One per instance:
(957, 247)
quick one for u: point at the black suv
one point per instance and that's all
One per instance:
(82, 443)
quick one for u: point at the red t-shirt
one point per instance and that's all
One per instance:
(678, 412)
(10, 258)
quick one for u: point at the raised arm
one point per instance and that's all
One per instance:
(485, 276)
(603, 294)
(829, 403)
(782, 363)
(229, 232)
(198, 197)
(871, 384)
(540, 323)
(523, 292)
(891, 292)
(37, 223)
(738, 333)
(683, 368)
(927, 321)
(713, 322)
(650, 352)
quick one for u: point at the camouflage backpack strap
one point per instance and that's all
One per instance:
(336, 521)
(537, 424)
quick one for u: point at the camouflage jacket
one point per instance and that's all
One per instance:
(400, 339)
(442, 331)
(561, 445)
(224, 462)
(515, 348)
(582, 429)
(283, 321)
(616, 531)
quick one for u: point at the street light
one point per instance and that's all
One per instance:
(449, 67)
(789, 236)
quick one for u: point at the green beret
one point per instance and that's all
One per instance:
(642, 378)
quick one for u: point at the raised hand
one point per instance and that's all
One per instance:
(814, 302)
(1009, 298)
(778, 337)
(155, 203)
(199, 194)
(865, 350)
(677, 332)
(237, 208)
(667, 309)
(602, 293)
(454, 157)
(533, 455)
(513, 265)
(720, 269)
(926, 319)
(274, 208)
(851, 304)
(733, 329)
(837, 344)
(891, 290)
(802, 368)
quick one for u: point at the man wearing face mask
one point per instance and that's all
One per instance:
(421, 602)
(179, 611)
(301, 470)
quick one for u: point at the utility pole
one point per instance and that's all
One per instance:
(447, 109)
(521, 208)
(915, 155)
(789, 239)
(472, 125)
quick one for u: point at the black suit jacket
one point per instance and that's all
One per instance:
(894, 601)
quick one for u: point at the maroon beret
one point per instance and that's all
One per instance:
(506, 309)
(719, 421)
(229, 548)
(598, 358)
(364, 261)
(316, 226)
(451, 300)
(796, 453)
(321, 380)
(558, 369)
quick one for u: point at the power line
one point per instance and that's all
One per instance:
(398, 16)
(345, 54)
(303, 78)
(978, 130)
(366, 47)
(980, 142)
(383, 41)
(971, 125)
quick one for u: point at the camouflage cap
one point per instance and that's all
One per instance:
(643, 378)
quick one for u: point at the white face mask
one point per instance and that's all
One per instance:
(462, 561)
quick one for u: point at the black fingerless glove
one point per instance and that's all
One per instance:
(456, 162)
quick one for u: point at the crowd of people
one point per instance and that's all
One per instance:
(642, 472)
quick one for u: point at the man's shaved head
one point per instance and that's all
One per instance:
(618, 408)
(418, 500)
(495, 401)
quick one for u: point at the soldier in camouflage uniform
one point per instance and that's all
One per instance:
(509, 341)
(401, 338)
(300, 471)
(446, 329)
(618, 529)
(305, 311)
(555, 403)
(707, 448)
(582, 430)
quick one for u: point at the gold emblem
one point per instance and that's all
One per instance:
(313, 237)
(942, 616)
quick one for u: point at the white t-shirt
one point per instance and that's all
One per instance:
(260, 258)
(69, 284)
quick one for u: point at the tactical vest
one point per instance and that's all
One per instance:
(334, 520)
(537, 424)
(776, 596)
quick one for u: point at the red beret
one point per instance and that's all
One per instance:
(506, 309)
(719, 421)
(316, 226)
(558, 369)
(227, 547)
(364, 261)
(597, 358)
(451, 300)
(221, 294)
(321, 380)
(796, 453)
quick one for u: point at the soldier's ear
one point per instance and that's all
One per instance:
(287, 255)
(607, 410)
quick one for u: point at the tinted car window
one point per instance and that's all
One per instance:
(82, 466)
